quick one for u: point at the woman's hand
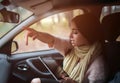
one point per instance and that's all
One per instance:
(42, 36)
(67, 80)
(30, 33)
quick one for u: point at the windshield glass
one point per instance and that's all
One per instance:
(6, 27)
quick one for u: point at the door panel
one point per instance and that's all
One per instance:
(21, 69)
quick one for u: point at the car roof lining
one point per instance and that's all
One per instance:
(45, 5)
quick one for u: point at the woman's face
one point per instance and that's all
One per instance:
(76, 38)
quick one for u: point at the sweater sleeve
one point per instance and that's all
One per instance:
(96, 71)
(62, 45)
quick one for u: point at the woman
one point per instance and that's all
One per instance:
(82, 53)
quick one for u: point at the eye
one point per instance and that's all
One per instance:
(75, 32)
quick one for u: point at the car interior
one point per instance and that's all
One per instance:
(112, 46)
(21, 65)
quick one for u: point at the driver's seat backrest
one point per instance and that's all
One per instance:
(111, 25)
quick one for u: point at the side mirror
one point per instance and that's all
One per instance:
(9, 16)
(14, 46)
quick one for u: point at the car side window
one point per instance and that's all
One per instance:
(109, 9)
(57, 25)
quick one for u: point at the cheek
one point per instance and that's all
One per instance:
(79, 40)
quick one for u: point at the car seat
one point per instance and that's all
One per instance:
(111, 25)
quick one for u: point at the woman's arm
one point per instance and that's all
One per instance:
(62, 45)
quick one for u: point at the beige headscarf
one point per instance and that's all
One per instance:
(76, 62)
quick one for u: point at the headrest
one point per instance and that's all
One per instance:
(111, 24)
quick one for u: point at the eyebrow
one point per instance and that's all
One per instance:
(75, 29)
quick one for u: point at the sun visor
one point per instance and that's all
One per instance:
(38, 7)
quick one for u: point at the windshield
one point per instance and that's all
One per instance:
(6, 27)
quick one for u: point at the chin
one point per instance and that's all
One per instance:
(74, 45)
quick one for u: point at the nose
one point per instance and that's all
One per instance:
(71, 36)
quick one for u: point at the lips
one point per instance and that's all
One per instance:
(72, 42)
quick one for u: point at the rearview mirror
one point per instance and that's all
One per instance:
(8, 16)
